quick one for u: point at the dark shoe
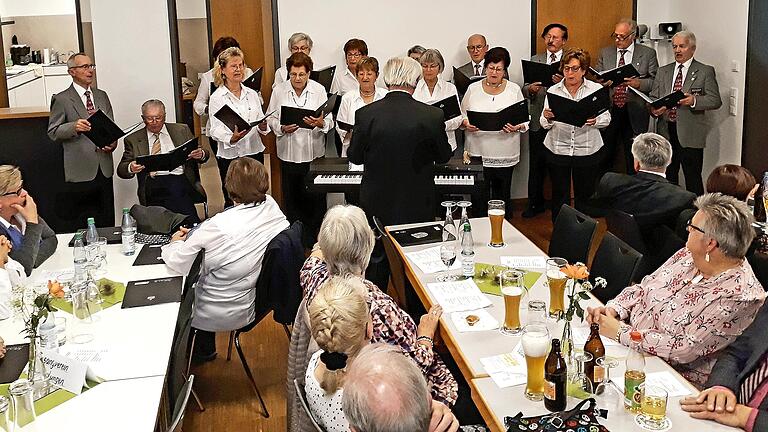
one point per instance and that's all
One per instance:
(203, 358)
(532, 211)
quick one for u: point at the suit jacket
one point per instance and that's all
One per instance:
(137, 144)
(399, 140)
(468, 70)
(81, 160)
(39, 243)
(535, 101)
(740, 359)
(692, 124)
(644, 60)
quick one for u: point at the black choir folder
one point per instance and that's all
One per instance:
(424, 234)
(149, 255)
(577, 113)
(114, 235)
(150, 292)
(16, 357)
(539, 72)
(292, 115)
(232, 119)
(345, 126)
(494, 121)
(104, 131)
(168, 161)
(617, 75)
(669, 101)
(462, 81)
(254, 81)
(324, 77)
(450, 107)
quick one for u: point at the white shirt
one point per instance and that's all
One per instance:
(630, 51)
(166, 146)
(567, 140)
(12, 275)
(497, 148)
(281, 76)
(350, 103)
(442, 90)
(558, 57)
(235, 241)
(81, 92)
(248, 107)
(304, 145)
(204, 93)
(654, 172)
(475, 68)
(20, 219)
(344, 82)
(686, 67)
(326, 409)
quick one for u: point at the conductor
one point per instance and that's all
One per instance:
(399, 140)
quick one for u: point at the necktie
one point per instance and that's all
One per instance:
(753, 381)
(89, 103)
(552, 58)
(156, 145)
(678, 85)
(15, 236)
(620, 93)
(477, 70)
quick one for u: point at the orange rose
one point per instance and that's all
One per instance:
(577, 271)
(55, 289)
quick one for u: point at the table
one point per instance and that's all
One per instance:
(468, 348)
(138, 341)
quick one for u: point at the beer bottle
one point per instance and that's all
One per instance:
(635, 374)
(555, 379)
(594, 346)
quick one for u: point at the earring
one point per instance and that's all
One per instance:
(706, 257)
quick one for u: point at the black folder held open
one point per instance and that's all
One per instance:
(232, 119)
(539, 72)
(292, 115)
(577, 113)
(149, 292)
(323, 76)
(514, 114)
(254, 81)
(450, 107)
(168, 161)
(669, 101)
(617, 75)
(104, 131)
(462, 81)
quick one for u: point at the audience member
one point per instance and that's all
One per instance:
(11, 275)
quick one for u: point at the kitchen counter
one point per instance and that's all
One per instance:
(34, 85)
(23, 112)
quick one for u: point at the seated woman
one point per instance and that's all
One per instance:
(698, 301)
(234, 241)
(344, 248)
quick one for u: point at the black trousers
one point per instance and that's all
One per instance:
(537, 167)
(499, 181)
(618, 136)
(172, 192)
(81, 200)
(691, 159)
(300, 203)
(223, 165)
(585, 172)
(205, 342)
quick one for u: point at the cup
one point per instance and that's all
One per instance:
(496, 213)
(512, 289)
(23, 402)
(653, 408)
(61, 329)
(537, 312)
(556, 281)
(82, 321)
(536, 346)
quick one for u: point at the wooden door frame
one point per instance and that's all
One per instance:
(749, 146)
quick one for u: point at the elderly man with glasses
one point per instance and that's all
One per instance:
(173, 189)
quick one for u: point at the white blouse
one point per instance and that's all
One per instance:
(281, 76)
(497, 148)
(566, 140)
(12, 275)
(443, 89)
(248, 107)
(304, 145)
(235, 241)
(326, 409)
(350, 103)
(344, 82)
(200, 104)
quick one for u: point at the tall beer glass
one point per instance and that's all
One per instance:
(556, 280)
(496, 213)
(512, 289)
(536, 347)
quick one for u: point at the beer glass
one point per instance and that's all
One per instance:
(536, 346)
(512, 289)
(537, 312)
(653, 408)
(556, 281)
(496, 213)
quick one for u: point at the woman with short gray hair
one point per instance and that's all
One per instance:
(433, 88)
(698, 301)
(298, 42)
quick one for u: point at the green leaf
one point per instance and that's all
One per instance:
(580, 313)
(584, 295)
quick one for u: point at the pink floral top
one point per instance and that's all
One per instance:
(391, 325)
(685, 319)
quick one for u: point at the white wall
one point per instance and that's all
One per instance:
(13, 8)
(134, 64)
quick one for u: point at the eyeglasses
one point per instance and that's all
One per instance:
(354, 55)
(153, 119)
(17, 192)
(430, 66)
(303, 48)
(495, 69)
(301, 75)
(85, 67)
(475, 47)
(620, 37)
(691, 226)
(571, 68)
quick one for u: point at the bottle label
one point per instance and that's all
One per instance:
(468, 265)
(632, 394)
(598, 374)
(549, 390)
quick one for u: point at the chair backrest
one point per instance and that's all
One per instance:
(572, 235)
(304, 404)
(618, 263)
(759, 264)
(181, 349)
(194, 273)
(181, 405)
(396, 267)
(625, 227)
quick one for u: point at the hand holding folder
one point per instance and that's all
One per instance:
(168, 161)
(617, 75)
(514, 115)
(104, 132)
(295, 116)
(234, 122)
(535, 72)
(576, 113)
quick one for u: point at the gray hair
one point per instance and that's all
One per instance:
(346, 240)
(433, 56)
(298, 37)
(688, 35)
(401, 72)
(653, 151)
(416, 49)
(152, 103)
(72, 60)
(631, 23)
(384, 391)
(728, 221)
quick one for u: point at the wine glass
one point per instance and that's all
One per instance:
(464, 205)
(448, 256)
(607, 391)
(449, 226)
(579, 385)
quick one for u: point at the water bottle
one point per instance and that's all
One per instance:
(467, 252)
(80, 259)
(49, 339)
(91, 235)
(129, 233)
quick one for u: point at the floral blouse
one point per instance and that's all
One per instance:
(391, 325)
(685, 319)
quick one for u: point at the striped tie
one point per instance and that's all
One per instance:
(620, 93)
(753, 381)
(156, 145)
(677, 86)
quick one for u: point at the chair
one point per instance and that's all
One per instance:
(181, 405)
(625, 227)
(618, 263)
(396, 268)
(759, 263)
(304, 404)
(572, 235)
(200, 196)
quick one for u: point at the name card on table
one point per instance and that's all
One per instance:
(524, 262)
(65, 372)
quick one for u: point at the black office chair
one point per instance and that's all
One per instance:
(305, 404)
(181, 406)
(572, 235)
(618, 263)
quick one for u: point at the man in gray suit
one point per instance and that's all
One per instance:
(174, 189)
(629, 113)
(686, 125)
(555, 35)
(87, 168)
(477, 46)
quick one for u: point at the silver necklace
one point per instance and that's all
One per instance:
(306, 98)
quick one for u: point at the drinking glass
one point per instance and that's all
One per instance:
(448, 256)
(449, 226)
(609, 394)
(81, 324)
(23, 403)
(579, 385)
(537, 312)
(496, 211)
(556, 280)
(5, 415)
(653, 408)
(535, 343)
(512, 289)
(463, 205)
(101, 269)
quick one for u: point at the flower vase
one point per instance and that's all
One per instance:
(566, 346)
(36, 370)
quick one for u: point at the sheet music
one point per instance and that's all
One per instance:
(506, 370)
(428, 260)
(457, 296)
(534, 262)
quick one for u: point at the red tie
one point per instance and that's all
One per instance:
(89, 103)
(620, 93)
(677, 86)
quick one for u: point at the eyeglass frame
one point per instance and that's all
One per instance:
(476, 47)
(622, 38)
(690, 224)
(489, 68)
(153, 119)
(17, 192)
(85, 66)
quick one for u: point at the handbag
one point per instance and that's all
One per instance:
(578, 419)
